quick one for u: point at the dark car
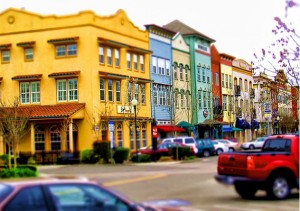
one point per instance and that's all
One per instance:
(163, 149)
(205, 147)
(68, 194)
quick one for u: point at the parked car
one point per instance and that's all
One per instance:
(256, 144)
(205, 147)
(220, 147)
(233, 146)
(187, 140)
(55, 194)
(163, 149)
(274, 169)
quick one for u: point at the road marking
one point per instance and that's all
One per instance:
(139, 179)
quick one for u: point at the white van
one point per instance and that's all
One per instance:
(187, 140)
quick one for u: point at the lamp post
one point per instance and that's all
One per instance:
(134, 103)
(278, 119)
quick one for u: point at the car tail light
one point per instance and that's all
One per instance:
(250, 162)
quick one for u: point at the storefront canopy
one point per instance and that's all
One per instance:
(170, 128)
(226, 128)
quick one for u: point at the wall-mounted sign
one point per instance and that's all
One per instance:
(205, 113)
(125, 109)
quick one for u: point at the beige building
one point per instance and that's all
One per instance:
(75, 76)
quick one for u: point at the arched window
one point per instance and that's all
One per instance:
(39, 138)
(55, 137)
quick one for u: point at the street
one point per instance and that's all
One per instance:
(192, 181)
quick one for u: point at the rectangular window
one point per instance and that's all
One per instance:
(30, 92)
(72, 49)
(61, 50)
(217, 79)
(109, 56)
(5, 56)
(102, 90)
(208, 100)
(182, 100)
(117, 57)
(200, 98)
(203, 74)
(110, 90)
(67, 90)
(198, 73)
(204, 100)
(73, 89)
(101, 55)
(135, 62)
(155, 94)
(129, 61)
(142, 63)
(62, 90)
(175, 72)
(167, 67)
(28, 54)
(136, 91)
(154, 64)
(35, 92)
(223, 78)
(118, 91)
(129, 92)
(25, 93)
(181, 73)
(143, 92)
(230, 81)
(226, 81)
(186, 74)
(208, 76)
(225, 102)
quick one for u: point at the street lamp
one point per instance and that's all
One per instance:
(134, 103)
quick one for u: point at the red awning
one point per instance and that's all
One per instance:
(170, 128)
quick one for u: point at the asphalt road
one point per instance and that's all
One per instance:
(192, 181)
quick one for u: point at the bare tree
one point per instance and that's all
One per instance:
(13, 126)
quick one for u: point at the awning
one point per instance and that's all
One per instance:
(27, 77)
(71, 74)
(170, 128)
(226, 128)
(236, 129)
(242, 124)
(35, 112)
(64, 40)
(186, 125)
(212, 122)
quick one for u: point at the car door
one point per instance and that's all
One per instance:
(28, 199)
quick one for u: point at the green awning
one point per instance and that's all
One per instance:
(186, 125)
(236, 129)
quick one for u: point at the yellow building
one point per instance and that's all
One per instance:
(76, 76)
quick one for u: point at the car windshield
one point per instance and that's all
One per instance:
(5, 190)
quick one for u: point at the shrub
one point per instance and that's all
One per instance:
(141, 158)
(87, 156)
(102, 150)
(3, 159)
(20, 171)
(121, 154)
(180, 153)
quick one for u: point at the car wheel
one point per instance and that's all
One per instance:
(219, 151)
(251, 147)
(231, 149)
(278, 187)
(246, 191)
(206, 153)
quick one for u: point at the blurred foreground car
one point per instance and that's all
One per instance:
(256, 144)
(70, 194)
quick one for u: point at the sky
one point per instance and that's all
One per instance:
(240, 27)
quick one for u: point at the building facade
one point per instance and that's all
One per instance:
(76, 76)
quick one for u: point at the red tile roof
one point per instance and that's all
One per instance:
(50, 111)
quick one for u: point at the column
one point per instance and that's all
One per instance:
(32, 142)
(71, 141)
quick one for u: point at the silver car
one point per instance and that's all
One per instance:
(256, 144)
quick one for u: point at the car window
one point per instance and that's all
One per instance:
(28, 199)
(189, 141)
(85, 197)
(5, 190)
(178, 140)
(167, 141)
(278, 145)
